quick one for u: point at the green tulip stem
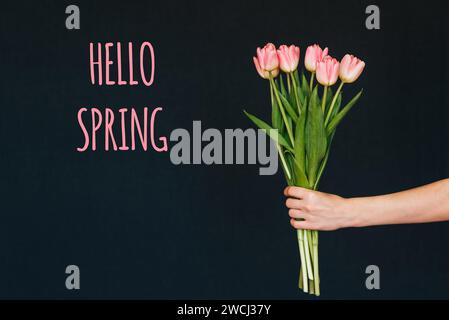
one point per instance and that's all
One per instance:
(288, 84)
(329, 113)
(281, 107)
(315, 263)
(311, 81)
(308, 254)
(303, 261)
(281, 153)
(284, 163)
(295, 89)
(323, 103)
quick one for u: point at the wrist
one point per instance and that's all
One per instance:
(349, 209)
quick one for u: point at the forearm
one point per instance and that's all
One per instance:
(428, 203)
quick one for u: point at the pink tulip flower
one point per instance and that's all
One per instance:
(327, 71)
(288, 58)
(314, 54)
(350, 68)
(267, 61)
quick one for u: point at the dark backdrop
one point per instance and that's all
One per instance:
(140, 227)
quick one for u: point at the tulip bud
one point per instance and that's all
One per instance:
(314, 54)
(327, 71)
(350, 68)
(288, 58)
(267, 61)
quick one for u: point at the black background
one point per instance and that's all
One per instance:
(140, 227)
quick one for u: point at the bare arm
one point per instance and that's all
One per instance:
(322, 211)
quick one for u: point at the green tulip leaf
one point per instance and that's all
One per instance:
(300, 178)
(315, 136)
(324, 162)
(296, 76)
(288, 107)
(336, 106)
(268, 130)
(300, 149)
(304, 85)
(338, 117)
(281, 85)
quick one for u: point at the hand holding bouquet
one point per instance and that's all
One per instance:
(303, 122)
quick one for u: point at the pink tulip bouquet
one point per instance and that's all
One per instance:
(303, 121)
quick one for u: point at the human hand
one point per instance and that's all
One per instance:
(319, 210)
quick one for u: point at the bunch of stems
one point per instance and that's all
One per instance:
(304, 119)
